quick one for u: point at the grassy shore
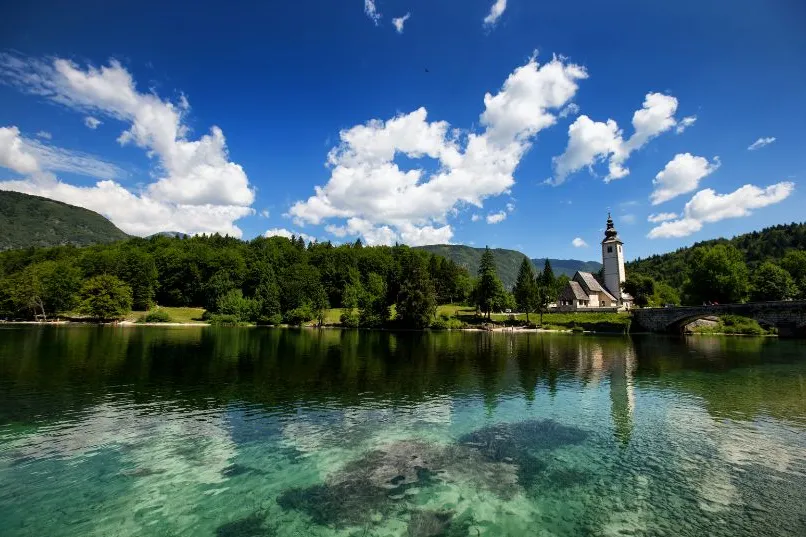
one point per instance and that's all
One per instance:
(176, 315)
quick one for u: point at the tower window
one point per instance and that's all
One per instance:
(609, 249)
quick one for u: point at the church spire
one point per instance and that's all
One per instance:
(610, 232)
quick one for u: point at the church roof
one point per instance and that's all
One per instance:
(591, 284)
(576, 291)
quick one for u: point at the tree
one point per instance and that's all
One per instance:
(548, 288)
(525, 289)
(665, 294)
(416, 300)
(716, 274)
(794, 262)
(139, 271)
(642, 288)
(373, 307)
(771, 282)
(215, 288)
(488, 286)
(105, 297)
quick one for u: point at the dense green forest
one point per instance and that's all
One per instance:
(507, 262)
(33, 221)
(268, 280)
(764, 265)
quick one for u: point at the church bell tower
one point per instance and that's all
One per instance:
(613, 261)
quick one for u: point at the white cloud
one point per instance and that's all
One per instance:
(283, 232)
(495, 218)
(661, 217)
(571, 110)
(682, 174)
(685, 123)
(372, 12)
(707, 207)
(91, 122)
(496, 11)
(475, 217)
(510, 207)
(579, 243)
(400, 21)
(591, 141)
(197, 188)
(13, 154)
(45, 135)
(627, 218)
(264, 213)
(385, 203)
(761, 142)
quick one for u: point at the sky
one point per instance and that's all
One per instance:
(509, 123)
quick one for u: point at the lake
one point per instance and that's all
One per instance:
(244, 432)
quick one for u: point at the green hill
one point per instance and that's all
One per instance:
(769, 244)
(507, 261)
(34, 221)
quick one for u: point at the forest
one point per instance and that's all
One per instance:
(266, 280)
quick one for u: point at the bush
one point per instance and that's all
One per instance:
(349, 319)
(223, 319)
(157, 316)
(446, 323)
(301, 315)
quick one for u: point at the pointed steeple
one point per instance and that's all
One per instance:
(610, 232)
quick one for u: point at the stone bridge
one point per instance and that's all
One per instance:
(789, 317)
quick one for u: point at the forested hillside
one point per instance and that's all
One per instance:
(28, 221)
(769, 244)
(506, 261)
(268, 280)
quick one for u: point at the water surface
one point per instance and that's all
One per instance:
(246, 432)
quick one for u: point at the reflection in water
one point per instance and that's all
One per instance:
(160, 431)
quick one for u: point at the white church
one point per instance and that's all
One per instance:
(585, 292)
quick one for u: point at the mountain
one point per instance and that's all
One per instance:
(769, 244)
(507, 261)
(34, 221)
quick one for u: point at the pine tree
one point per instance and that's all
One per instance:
(547, 289)
(416, 301)
(525, 289)
(488, 287)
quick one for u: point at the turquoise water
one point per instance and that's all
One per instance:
(247, 432)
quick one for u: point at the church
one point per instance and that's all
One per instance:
(586, 292)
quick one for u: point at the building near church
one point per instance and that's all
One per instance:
(586, 292)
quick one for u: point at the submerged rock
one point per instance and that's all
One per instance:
(253, 525)
(371, 484)
(438, 524)
(516, 444)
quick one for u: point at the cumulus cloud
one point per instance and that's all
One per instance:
(685, 123)
(707, 207)
(371, 11)
(198, 189)
(283, 232)
(264, 213)
(681, 175)
(495, 218)
(383, 203)
(590, 142)
(475, 217)
(400, 21)
(45, 135)
(91, 122)
(761, 142)
(579, 243)
(13, 154)
(661, 217)
(495, 13)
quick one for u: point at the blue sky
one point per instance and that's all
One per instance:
(211, 118)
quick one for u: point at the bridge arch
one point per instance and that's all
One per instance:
(788, 317)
